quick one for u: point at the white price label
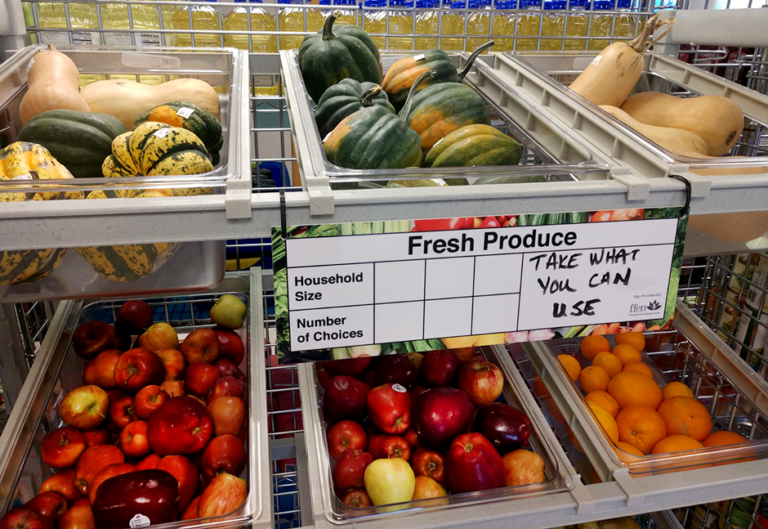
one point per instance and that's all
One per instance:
(162, 133)
(27, 176)
(139, 521)
(347, 291)
(60, 38)
(118, 39)
(597, 60)
(150, 40)
(185, 112)
(419, 57)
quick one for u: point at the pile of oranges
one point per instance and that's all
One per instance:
(633, 410)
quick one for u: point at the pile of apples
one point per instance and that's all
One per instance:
(412, 427)
(156, 431)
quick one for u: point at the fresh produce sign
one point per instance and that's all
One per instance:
(346, 290)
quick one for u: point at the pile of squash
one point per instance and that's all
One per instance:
(420, 114)
(68, 132)
(695, 127)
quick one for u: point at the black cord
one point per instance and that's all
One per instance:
(687, 207)
(283, 222)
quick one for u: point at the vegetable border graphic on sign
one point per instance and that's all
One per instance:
(373, 288)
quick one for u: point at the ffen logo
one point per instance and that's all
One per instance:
(636, 308)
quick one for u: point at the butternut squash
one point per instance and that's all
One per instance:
(612, 74)
(127, 100)
(731, 227)
(717, 120)
(53, 84)
(676, 140)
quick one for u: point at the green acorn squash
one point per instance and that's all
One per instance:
(191, 117)
(474, 145)
(375, 138)
(79, 140)
(344, 98)
(330, 55)
(442, 108)
(404, 72)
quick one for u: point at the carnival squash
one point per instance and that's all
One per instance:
(127, 100)
(676, 140)
(79, 140)
(401, 75)
(442, 108)
(344, 98)
(188, 116)
(330, 55)
(716, 120)
(53, 84)
(474, 145)
(375, 138)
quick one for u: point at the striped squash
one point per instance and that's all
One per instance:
(28, 266)
(127, 262)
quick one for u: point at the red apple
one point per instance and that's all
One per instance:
(93, 337)
(383, 446)
(63, 483)
(228, 368)
(230, 344)
(412, 438)
(109, 471)
(440, 414)
(483, 382)
(62, 447)
(349, 470)
(159, 336)
(229, 311)
(181, 426)
(322, 375)
(152, 493)
(121, 412)
(149, 462)
(357, 499)
(200, 346)
(96, 437)
(368, 378)
(344, 435)
(523, 467)
(174, 363)
(418, 390)
(190, 513)
(351, 367)
(138, 368)
(345, 399)
(224, 453)
(473, 464)
(438, 368)
(228, 415)
(133, 439)
(78, 517)
(427, 487)
(429, 463)
(148, 400)
(396, 369)
(186, 475)
(25, 518)
(199, 379)
(223, 495)
(505, 427)
(84, 407)
(174, 388)
(136, 313)
(92, 462)
(228, 387)
(464, 353)
(389, 407)
(51, 504)
(100, 371)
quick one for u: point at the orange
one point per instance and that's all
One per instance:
(627, 353)
(635, 339)
(570, 366)
(594, 378)
(676, 443)
(639, 367)
(631, 387)
(607, 361)
(723, 438)
(593, 344)
(640, 426)
(676, 389)
(686, 416)
(626, 453)
(606, 421)
(604, 400)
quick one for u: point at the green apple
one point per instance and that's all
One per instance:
(389, 481)
(229, 311)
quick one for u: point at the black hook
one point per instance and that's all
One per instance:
(283, 222)
(687, 207)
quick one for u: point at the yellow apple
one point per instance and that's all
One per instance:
(522, 467)
(427, 487)
(389, 481)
